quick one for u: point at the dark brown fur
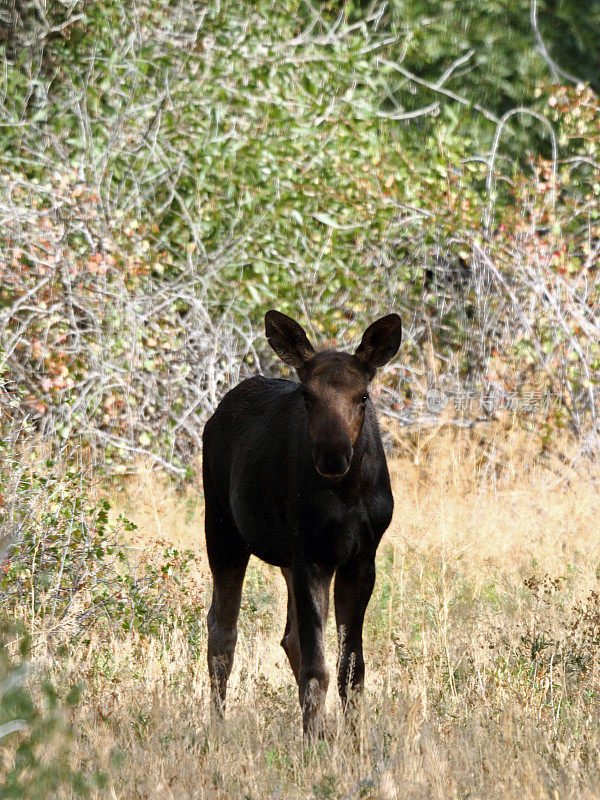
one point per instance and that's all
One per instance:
(295, 474)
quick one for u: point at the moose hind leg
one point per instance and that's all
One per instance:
(291, 641)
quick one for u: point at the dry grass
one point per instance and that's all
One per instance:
(478, 685)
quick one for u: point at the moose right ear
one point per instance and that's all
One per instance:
(288, 339)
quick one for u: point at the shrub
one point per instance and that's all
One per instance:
(34, 734)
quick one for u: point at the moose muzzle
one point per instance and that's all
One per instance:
(332, 456)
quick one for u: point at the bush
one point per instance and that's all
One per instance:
(63, 557)
(34, 734)
(182, 173)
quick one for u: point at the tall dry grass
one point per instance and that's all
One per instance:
(481, 648)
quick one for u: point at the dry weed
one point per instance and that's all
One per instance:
(481, 642)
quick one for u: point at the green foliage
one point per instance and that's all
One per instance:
(34, 736)
(169, 175)
(506, 62)
(571, 29)
(66, 557)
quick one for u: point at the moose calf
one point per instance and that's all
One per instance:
(295, 474)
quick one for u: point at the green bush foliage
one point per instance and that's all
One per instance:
(64, 557)
(34, 735)
(170, 173)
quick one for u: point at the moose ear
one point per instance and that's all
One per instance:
(380, 342)
(288, 339)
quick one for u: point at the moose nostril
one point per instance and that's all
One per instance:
(332, 464)
(332, 455)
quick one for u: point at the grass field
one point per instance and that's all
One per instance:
(481, 648)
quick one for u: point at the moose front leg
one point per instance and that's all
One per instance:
(222, 628)
(311, 592)
(353, 587)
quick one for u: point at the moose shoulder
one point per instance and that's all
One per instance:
(295, 474)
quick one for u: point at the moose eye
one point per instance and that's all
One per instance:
(364, 399)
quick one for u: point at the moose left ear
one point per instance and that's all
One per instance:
(380, 342)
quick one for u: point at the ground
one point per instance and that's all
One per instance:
(481, 641)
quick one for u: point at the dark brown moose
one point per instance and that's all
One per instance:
(295, 474)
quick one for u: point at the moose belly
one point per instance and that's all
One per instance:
(323, 529)
(261, 523)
